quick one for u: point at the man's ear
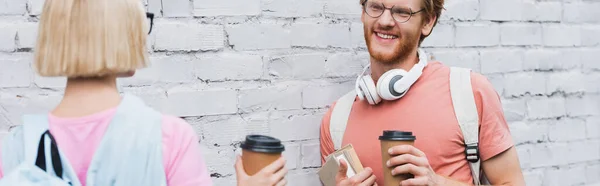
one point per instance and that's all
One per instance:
(428, 25)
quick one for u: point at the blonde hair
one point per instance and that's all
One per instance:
(91, 38)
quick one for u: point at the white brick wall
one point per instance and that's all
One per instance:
(235, 67)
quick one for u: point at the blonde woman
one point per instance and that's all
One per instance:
(104, 138)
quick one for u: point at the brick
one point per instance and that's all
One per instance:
(345, 64)
(501, 61)
(511, 10)
(291, 155)
(546, 59)
(569, 82)
(357, 35)
(524, 155)
(567, 130)
(301, 66)
(13, 7)
(465, 58)
(223, 130)
(258, 36)
(177, 8)
(19, 75)
(586, 105)
(548, 154)
(514, 109)
(581, 12)
(342, 8)
(5, 124)
(532, 132)
(164, 69)
(593, 127)
(303, 179)
(155, 6)
(477, 34)
(589, 35)
(49, 82)
(311, 155)
(497, 81)
(8, 33)
(592, 171)
(564, 176)
(533, 177)
(442, 35)
(30, 102)
(27, 33)
(199, 103)
(229, 66)
(321, 35)
(292, 8)
(288, 127)
(554, 35)
(543, 108)
(282, 97)
(541, 11)
(153, 96)
(589, 58)
(35, 7)
(226, 7)
(591, 83)
(219, 160)
(529, 82)
(188, 36)
(320, 96)
(520, 34)
(460, 10)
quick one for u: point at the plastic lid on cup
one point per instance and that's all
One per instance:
(397, 135)
(262, 143)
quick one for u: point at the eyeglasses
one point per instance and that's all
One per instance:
(399, 14)
(151, 17)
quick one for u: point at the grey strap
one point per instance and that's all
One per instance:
(339, 118)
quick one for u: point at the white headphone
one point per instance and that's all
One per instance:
(392, 85)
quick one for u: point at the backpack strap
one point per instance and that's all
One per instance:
(339, 118)
(466, 113)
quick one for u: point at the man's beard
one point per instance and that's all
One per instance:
(402, 49)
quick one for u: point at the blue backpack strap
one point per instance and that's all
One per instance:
(131, 150)
(21, 145)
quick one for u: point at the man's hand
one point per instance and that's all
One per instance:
(271, 175)
(364, 178)
(408, 159)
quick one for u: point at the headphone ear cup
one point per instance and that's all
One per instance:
(385, 84)
(369, 90)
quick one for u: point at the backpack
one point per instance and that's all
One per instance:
(130, 152)
(464, 108)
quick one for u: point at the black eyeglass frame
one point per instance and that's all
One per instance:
(411, 13)
(151, 17)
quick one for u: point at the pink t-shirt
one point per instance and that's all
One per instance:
(78, 139)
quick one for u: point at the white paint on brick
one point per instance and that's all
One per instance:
(520, 34)
(342, 8)
(581, 12)
(533, 132)
(258, 36)
(13, 7)
(18, 104)
(590, 58)
(345, 64)
(311, 155)
(27, 33)
(228, 66)
(497, 81)
(289, 127)
(592, 171)
(465, 58)
(226, 7)
(19, 75)
(554, 35)
(460, 10)
(219, 159)
(318, 96)
(589, 35)
(569, 82)
(304, 178)
(49, 82)
(567, 130)
(547, 59)
(511, 10)
(542, 108)
(593, 127)
(291, 155)
(177, 8)
(442, 36)
(564, 176)
(152, 96)
(591, 83)
(301, 66)
(477, 34)
(282, 97)
(292, 8)
(8, 32)
(35, 6)
(528, 82)
(155, 6)
(586, 105)
(357, 35)
(541, 11)
(321, 35)
(187, 36)
(501, 61)
(533, 178)
(200, 103)
(514, 109)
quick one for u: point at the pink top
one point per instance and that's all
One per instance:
(78, 138)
